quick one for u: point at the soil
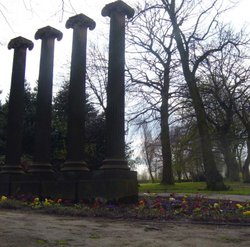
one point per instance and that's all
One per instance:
(29, 229)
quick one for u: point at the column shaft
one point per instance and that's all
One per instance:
(41, 159)
(115, 122)
(115, 89)
(76, 115)
(44, 102)
(16, 106)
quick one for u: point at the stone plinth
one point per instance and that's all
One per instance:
(110, 185)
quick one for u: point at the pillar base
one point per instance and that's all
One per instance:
(111, 185)
(115, 185)
(115, 164)
(40, 168)
(74, 166)
(11, 170)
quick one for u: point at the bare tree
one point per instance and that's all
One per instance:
(242, 106)
(219, 87)
(97, 75)
(194, 24)
(149, 150)
(225, 87)
(152, 68)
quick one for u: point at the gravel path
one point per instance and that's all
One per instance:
(28, 229)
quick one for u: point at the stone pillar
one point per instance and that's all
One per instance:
(16, 106)
(115, 129)
(76, 110)
(41, 160)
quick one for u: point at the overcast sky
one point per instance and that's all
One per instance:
(24, 17)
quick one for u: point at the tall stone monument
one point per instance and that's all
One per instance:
(41, 159)
(115, 156)
(76, 105)
(16, 106)
(114, 180)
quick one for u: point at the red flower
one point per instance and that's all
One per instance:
(59, 200)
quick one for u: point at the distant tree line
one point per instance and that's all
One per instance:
(95, 129)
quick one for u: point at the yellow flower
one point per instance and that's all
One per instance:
(246, 213)
(36, 202)
(239, 206)
(184, 202)
(36, 199)
(46, 202)
(197, 210)
(3, 198)
(216, 205)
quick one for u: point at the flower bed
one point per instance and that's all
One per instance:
(148, 207)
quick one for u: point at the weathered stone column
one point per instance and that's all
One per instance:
(76, 110)
(41, 161)
(16, 106)
(115, 158)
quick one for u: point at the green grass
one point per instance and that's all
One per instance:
(231, 240)
(41, 241)
(194, 187)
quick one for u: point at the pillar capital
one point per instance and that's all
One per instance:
(80, 20)
(20, 42)
(120, 7)
(48, 32)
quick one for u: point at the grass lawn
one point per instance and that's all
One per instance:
(236, 188)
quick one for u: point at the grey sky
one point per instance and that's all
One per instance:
(24, 17)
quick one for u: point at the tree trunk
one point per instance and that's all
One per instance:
(179, 176)
(245, 168)
(167, 171)
(233, 171)
(151, 173)
(213, 177)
